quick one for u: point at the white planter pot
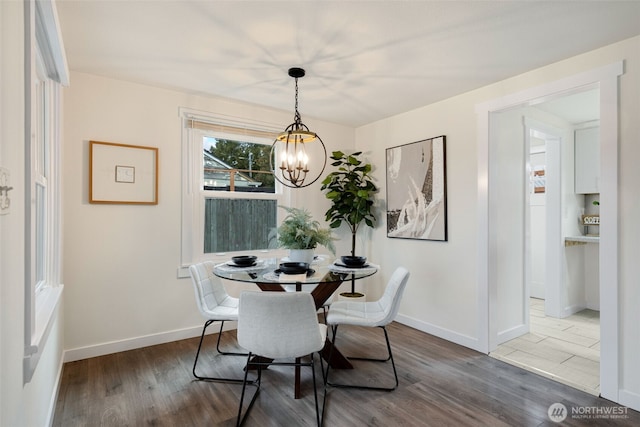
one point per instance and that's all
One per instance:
(301, 255)
(348, 296)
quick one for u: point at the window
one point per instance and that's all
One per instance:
(40, 156)
(43, 216)
(231, 165)
(237, 166)
(230, 198)
(232, 225)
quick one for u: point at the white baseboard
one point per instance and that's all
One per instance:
(455, 337)
(512, 333)
(111, 347)
(573, 309)
(102, 349)
(54, 397)
(629, 399)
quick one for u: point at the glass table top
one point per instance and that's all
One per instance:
(266, 270)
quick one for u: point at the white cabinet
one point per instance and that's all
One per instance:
(587, 160)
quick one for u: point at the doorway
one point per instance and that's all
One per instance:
(501, 251)
(563, 348)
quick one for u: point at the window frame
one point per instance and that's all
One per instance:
(45, 73)
(41, 169)
(193, 194)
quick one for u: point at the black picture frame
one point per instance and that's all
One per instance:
(417, 190)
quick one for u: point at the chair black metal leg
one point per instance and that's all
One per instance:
(315, 389)
(226, 353)
(195, 363)
(324, 388)
(241, 419)
(260, 365)
(390, 357)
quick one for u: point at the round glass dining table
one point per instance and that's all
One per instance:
(323, 276)
(322, 279)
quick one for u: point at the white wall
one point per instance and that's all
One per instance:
(442, 296)
(591, 258)
(121, 261)
(507, 207)
(20, 404)
(591, 276)
(537, 208)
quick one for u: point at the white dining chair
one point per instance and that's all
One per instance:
(371, 314)
(277, 326)
(215, 305)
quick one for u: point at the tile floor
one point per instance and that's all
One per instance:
(566, 350)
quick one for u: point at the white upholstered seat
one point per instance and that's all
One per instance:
(371, 314)
(279, 325)
(215, 305)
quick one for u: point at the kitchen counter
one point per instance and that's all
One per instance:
(580, 240)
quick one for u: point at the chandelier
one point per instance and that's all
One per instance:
(291, 148)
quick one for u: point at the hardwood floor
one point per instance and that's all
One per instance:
(441, 384)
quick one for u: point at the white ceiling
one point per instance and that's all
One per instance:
(365, 60)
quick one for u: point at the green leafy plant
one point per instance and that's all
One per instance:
(300, 231)
(351, 192)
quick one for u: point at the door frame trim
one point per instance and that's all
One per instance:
(606, 77)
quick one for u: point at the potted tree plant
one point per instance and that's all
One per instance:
(301, 234)
(351, 191)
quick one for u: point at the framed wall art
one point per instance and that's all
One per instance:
(122, 173)
(417, 190)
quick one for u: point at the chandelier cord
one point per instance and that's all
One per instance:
(296, 117)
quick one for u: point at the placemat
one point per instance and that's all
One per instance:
(370, 268)
(229, 267)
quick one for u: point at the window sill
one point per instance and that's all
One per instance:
(47, 302)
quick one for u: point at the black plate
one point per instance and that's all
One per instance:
(339, 264)
(233, 264)
(310, 272)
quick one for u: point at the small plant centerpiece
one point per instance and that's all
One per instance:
(351, 191)
(301, 234)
